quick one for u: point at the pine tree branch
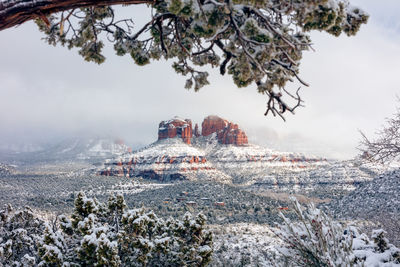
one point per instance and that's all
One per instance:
(16, 12)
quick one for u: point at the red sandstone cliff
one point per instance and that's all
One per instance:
(212, 124)
(227, 132)
(176, 127)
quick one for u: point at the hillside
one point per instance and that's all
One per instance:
(165, 160)
(82, 149)
(377, 201)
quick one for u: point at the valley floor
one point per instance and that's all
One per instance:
(241, 217)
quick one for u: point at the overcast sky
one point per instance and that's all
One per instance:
(50, 92)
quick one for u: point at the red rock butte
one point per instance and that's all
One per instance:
(176, 127)
(227, 132)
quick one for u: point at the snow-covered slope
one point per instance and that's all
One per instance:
(380, 195)
(251, 163)
(377, 201)
(100, 148)
(171, 158)
(345, 175)
(75, 149)
(244, 244)
(165, 160)
(22, 147)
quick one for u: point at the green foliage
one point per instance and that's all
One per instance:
(19, 233)
(111, 235)
(252, 30)
(140, 57)
(262, 40)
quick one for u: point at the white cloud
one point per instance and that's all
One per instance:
(353, 86)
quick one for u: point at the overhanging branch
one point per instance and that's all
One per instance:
(16, 12)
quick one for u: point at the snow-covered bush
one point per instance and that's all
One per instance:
(315, 239)
(111, 235)
(19, 233)
(375, 251)
(100, 234)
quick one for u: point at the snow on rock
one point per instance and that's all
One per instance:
(172, 158)
(176, 127)
(219, 153)
(249, 163)
(227, 132)
(165, 160)
(327, 176)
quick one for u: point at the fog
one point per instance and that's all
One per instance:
(50, 93)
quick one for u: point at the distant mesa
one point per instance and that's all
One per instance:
(227, 132)
(219, 151)
(171, 159)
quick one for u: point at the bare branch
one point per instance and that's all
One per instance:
(277, 106)
(386, 147)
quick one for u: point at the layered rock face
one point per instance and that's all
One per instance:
(232, 135)
(176, 127)
(213, 124)
(166, 160)
(228, 133)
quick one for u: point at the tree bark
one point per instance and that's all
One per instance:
(16, 12)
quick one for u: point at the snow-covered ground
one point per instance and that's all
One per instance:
(167, 159)
(244, 244)
(377, 201)
(258, 168)
(6, 169)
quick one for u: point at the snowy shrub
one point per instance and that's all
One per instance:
(111, 235)
(100, 234)
(377, 251)
(19, 235)
(316, 240)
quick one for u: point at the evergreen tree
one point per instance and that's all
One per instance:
(112, 235)
(260, 42)
(19, 235)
